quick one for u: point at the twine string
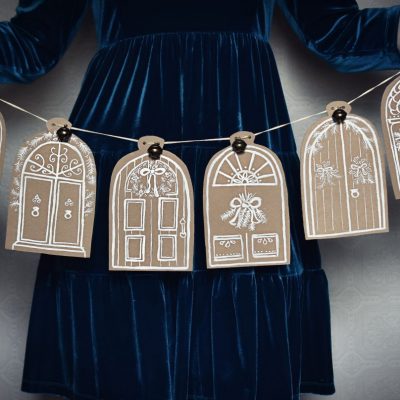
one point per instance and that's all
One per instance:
(274, 128)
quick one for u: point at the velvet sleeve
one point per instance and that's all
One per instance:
(33, 41)
(345, 36)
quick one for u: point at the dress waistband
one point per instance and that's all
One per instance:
(177, 35)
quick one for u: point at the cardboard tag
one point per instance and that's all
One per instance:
(52, 196)
(246, 215)
(151, 212)
(343, 178)
(390, 114)
(2, 142)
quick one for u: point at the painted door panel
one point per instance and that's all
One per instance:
(135, 213)
(67, 228)
(36, 210)
(135, 248)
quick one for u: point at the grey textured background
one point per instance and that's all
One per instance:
(363, 273)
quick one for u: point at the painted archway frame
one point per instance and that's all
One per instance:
(2, 142)
(246, 214)
(52, 197)
(343, 179)
(151, 213)
(390, 115)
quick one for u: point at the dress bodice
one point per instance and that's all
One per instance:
(320, 25)
(121, 19)
(339, 32)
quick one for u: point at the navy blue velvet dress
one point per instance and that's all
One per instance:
(185, 69)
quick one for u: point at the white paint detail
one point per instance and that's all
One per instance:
(162, 239)
(392, 117)
(228, 247)
(245, 212)
(141, 239)
(269, 244)
(153, 183)
(162, 224)
(44, 159)
(128, 203)
(358, 169)
(266, 173)
(244, 175)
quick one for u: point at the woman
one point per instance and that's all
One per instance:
(185, 69)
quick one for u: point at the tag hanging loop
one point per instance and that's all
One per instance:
(154, 146)
(155, 151)
(338, 110)
(240, 140)
(64, 134)
(239, 146)
(60, 127)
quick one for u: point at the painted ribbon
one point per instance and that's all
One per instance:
(326, 174)
(245, 212)
(152, 172)
(361, 171)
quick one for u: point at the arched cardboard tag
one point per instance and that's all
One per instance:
(342, 178)
(2, 142)
(390, 114)
(246, 215)
(52, 196)
(151, 212)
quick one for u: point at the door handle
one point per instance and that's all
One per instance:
(182, 233)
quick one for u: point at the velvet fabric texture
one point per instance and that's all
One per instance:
(185, 69)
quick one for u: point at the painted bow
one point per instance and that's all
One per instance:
(151, 173)
(361, 171)
(326, 173)
(245, 212)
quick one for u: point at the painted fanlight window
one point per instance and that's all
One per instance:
(52, 197)
(245, 208)
(390, 113)
(343, 179)
(151, 212)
